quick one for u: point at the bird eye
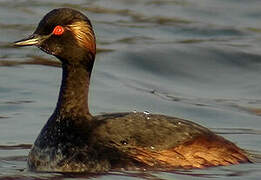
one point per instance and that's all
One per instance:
(58, 30)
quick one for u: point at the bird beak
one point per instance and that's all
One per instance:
(30, 41)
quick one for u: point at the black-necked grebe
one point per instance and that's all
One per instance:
(75, 141)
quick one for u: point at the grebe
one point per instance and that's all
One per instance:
(73, 140)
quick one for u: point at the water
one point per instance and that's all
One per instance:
(198, 60)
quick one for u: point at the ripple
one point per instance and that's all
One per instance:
(15, 147)
(19, 102)
(168, 2)
(236, 131)
(7, 159)
(19, 27)
(32, 61)
(138, 17)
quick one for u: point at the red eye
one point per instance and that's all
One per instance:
(58, 30)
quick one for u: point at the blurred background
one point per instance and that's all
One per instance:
(194, 59)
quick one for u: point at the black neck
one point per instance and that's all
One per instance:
(71, 116)
(73, 96)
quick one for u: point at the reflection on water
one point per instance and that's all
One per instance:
(198, 60)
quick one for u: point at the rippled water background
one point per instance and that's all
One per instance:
(194, 59)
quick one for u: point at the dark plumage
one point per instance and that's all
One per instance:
(75, 141)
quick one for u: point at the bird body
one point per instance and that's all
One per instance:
(73, 140)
